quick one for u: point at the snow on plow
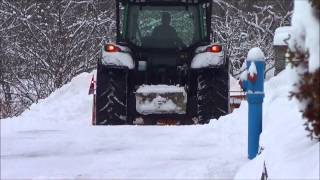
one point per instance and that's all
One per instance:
(161, 99)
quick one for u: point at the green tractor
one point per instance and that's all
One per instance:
(164, 65)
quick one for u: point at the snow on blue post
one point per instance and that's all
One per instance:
(255, 94)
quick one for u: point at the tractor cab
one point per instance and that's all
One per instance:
(164, 24)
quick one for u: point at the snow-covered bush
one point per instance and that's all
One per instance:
(304, 56)
(307, 91)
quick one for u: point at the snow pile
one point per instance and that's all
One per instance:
(281, 35)
(69, 104)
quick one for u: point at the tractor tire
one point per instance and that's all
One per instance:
(212, 95)
(111, 102)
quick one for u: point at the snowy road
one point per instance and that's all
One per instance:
(53, 142)
(66, 151)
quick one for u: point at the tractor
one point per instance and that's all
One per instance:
(163, 65)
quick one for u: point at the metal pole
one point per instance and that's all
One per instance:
(255, 93)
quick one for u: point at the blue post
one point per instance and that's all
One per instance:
(255, 94)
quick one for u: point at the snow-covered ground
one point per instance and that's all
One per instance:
(55, 139)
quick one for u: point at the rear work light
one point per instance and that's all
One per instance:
(215, 48)
(111, 48)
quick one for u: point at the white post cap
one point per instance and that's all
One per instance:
(255, 54)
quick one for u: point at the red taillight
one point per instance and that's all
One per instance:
(111, 48)
(215, 49)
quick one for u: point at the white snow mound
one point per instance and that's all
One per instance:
(255, 54)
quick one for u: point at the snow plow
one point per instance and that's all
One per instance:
(164, 65)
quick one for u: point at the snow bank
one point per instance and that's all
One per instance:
(71, 103)
(288, 152)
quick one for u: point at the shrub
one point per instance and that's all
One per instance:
(308, 91)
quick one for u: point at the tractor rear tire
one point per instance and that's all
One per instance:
(111, 102)
(212, 95)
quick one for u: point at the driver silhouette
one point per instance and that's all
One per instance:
(164, 34)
